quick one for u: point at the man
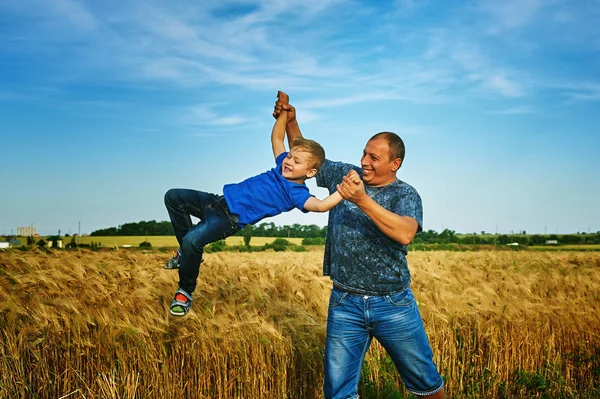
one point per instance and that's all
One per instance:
(365, 256)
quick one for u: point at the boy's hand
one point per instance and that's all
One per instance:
(352, 187)
(352, 177)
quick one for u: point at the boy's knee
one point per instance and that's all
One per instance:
(190, 242)
(170, 195)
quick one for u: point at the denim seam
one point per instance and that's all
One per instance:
(419, 393)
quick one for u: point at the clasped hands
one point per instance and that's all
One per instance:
(352, 187)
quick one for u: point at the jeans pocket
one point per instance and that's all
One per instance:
(336, 298)
(404, 298)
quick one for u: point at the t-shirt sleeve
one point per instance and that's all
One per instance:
(279, 159)
(300, 195)
(331, 174)
(409, 204)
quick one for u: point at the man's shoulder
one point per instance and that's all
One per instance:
(336, 164)
(334, 167)
(405, 187)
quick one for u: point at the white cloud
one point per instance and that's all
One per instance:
(504, 85)
(204, 115)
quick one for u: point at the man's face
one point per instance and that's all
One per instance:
(377, 168)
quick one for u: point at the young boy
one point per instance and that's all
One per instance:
(278, 190)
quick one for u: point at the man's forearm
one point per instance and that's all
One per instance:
(293, 131)
(401, 229)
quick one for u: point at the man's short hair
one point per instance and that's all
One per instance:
(317, 153)
(395, 144)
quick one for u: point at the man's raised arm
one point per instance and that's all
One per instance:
(292, 129)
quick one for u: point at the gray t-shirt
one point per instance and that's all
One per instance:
(358, 256)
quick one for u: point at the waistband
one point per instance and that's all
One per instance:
(222, 203)
(349, 290)
(363, 293)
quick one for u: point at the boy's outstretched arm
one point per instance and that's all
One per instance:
(313, 204)
(278, 132)
(316, 205)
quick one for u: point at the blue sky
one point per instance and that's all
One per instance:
(106, 105)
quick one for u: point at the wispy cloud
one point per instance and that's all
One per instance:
(510, 14)
(205, 115)
(585, 92)
(244, 46)
(73, 12)
(522, 110)
(504, 85)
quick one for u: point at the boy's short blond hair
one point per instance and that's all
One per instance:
(317, 153)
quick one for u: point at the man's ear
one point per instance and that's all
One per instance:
(311, 173)
(396, 163)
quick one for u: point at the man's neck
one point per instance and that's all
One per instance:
(384, 184)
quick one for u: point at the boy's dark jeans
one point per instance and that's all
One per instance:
(216, 223)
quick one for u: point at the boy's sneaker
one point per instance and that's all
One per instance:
(181, 303)
(173, 263)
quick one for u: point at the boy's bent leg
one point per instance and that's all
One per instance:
(346, 345)
(181, 204)
(399, 328)
(215, 226)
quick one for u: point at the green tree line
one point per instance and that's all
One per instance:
(450, 237)
(151, 228)
(312, 231)
(154, 228)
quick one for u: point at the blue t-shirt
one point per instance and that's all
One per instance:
(265, 195)
(358, 256)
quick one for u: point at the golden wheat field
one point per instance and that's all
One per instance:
(164, 241)
(83, 324)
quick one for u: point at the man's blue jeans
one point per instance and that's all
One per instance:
(216, 223)
(353, 320)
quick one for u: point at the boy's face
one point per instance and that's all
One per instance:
(297, 166)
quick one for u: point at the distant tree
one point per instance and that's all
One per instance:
(571, 239)
(216, 246)
(30, 240)
(448, 236)
(470, 239)
(537, 239)
(313, 241)
(280, 244)
(247, 234)
(503, 239)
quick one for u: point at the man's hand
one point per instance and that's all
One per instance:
(352, 187)
(283, 98)
(282, 104)
(353, 177)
